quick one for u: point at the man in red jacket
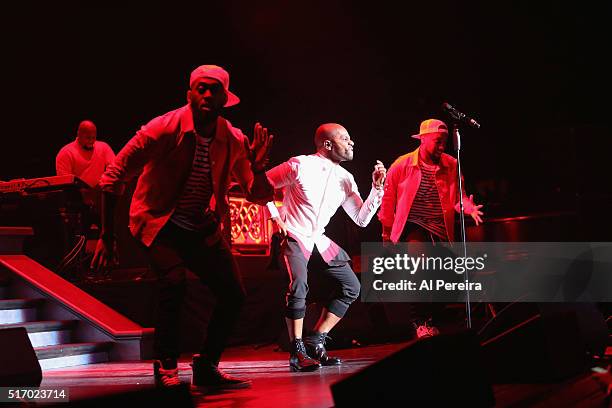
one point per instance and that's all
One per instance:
(184, 160)
(422, 196)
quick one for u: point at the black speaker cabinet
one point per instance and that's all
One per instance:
(18, 363)
(445, 370)
(541, 342)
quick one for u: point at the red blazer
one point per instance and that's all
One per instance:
(403, 179)
(161, 155)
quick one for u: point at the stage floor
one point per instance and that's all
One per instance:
(273, 383)
(274, 386)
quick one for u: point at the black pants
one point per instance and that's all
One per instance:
(415, 233)
(298, 268)
(422, 312)
(176, 251)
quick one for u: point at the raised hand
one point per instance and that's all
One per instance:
(379, 174)
(474, 210)
(260, 147)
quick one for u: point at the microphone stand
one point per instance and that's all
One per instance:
(457, 145)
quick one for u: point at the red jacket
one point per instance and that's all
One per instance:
(403, 180)
(161, 154)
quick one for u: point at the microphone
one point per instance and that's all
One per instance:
(460, 115)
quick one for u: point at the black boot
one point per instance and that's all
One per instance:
(315, 345)
(207, 375)
(298, 358)
(166, 373)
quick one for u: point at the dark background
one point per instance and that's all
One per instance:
(536, 76)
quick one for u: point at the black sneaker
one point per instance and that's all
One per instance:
(165, 378)
(207, 375)
(299, 360)
(315, 345)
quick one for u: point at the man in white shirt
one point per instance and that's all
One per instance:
(314, 186)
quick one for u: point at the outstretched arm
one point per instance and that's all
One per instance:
(362, 212)
(386, 215)
(471, 209)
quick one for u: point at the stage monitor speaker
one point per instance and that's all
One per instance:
(444, 370)
(531, 342)
(19, 365)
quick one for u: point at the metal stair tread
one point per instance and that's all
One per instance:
(71, 349)
(8, 304)
(43, 325)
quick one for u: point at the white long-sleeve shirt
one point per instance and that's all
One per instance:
(313, 189)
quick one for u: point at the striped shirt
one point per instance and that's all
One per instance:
(191, 210)
(426, 208)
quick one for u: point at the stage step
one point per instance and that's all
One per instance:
(66, 326)
(77, 328)
(46, 333)
(71, 354)
(51, 339)
(19, 310)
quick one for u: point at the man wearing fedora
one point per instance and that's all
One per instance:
(422, 196)
(184, 160)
